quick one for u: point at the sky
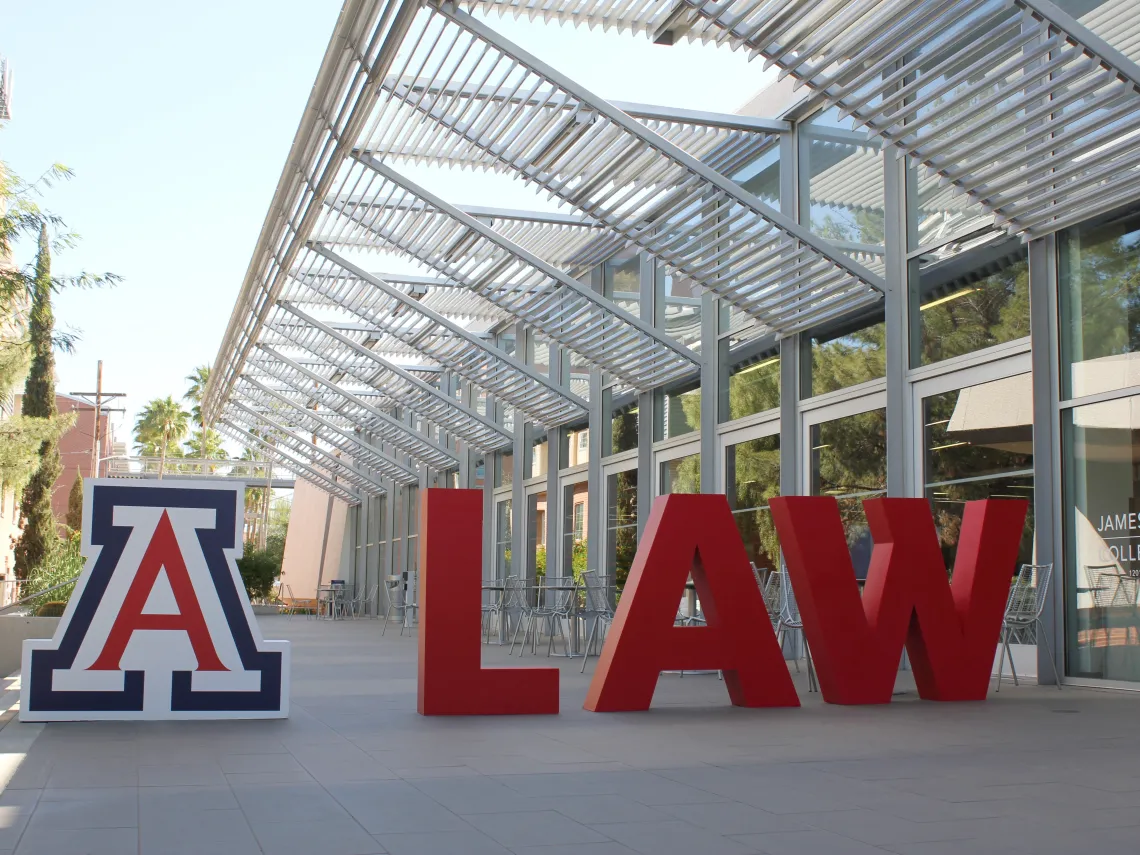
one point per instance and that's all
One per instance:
(177, 119)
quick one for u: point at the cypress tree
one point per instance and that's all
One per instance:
(40, 536)
(75, 504)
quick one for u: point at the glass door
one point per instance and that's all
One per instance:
(751, 478)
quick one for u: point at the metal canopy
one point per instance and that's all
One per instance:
(726, 143)
(462, 248)
(241, 416)
(329, 432)
(1014, 102)
(367, 367)
(395, 316)
(299, 467)
(309, 387)
(608, 165)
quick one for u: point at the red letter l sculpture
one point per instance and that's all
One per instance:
(451, 679)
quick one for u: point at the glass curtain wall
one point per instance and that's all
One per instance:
(503, 539)
(1100, 356)
(681, 475)
(575, 533)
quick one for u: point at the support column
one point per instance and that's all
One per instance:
(900, 440)
(710, 392)
(646, 408)
(1047, 486)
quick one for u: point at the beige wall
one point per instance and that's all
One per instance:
(300, 569)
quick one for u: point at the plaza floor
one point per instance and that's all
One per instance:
(355, 771)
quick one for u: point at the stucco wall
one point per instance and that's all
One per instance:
(13, 631)
(300, 568)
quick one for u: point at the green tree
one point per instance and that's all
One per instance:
(39, 536)
(198, 379)
(161, 425)
(210, 448)
(75, 504)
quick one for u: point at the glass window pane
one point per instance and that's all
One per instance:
(978, 444)
(681, 475)
(1100, 307)
(538, 354)
(536, 534)
(969, 301)
(849, 461)
(622, 282)
(575, 446)
(575, 498)
(1102, 539)
(679, 308)
(537, 454)
(503, 539)
(623, 419)
(752, 384)
(843, 355)
(621, 525)
(938, 212)
(504, 468)
(752, 478)
(844, 187)
(678, 410)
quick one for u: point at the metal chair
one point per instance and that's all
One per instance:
(518, 599)
(411, 599)
(1023, 612)
(789, 619)
(770, 590)
(357, 604)
(495, 609)
(598, 610)
(392, 585)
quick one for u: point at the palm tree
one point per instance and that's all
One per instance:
(198, 379)
(160, 423)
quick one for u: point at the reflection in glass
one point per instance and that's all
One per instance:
(621, 525)
(678, 410)
(537, 452)
(1100, 307)
(503, 539)
(622, 282)
(938, 212)
(412, 497)
(575, 536)
(622, 405)
(1102, 539)
(679, 308)
(969, 301)
(681, 475)
(538, 354)
(844, 187)
(978, 444)
(536, 533)
(575, 446)
(504, 468)
(849, 461)
(752, 478)
(752, 386)
(846, 355)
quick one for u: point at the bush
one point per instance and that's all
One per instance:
(52, 608)
(259, 569)
(62, 564)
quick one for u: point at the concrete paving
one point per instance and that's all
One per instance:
(355, 771)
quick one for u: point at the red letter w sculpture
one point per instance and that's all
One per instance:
(950, 630)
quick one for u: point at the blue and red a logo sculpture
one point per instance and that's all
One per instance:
(159, 625)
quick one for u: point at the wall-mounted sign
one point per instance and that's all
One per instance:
(159, 625)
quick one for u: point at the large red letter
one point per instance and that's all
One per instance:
(949, 630)
(451, 679)
(690, 534)
(161, 553)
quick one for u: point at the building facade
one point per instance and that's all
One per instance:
(917, 274)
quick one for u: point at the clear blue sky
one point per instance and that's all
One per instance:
(177, 119)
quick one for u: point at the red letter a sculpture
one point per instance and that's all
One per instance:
(950, 630)
(451, 679)
(690, 534)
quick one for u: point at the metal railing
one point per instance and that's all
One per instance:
(179, 467)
